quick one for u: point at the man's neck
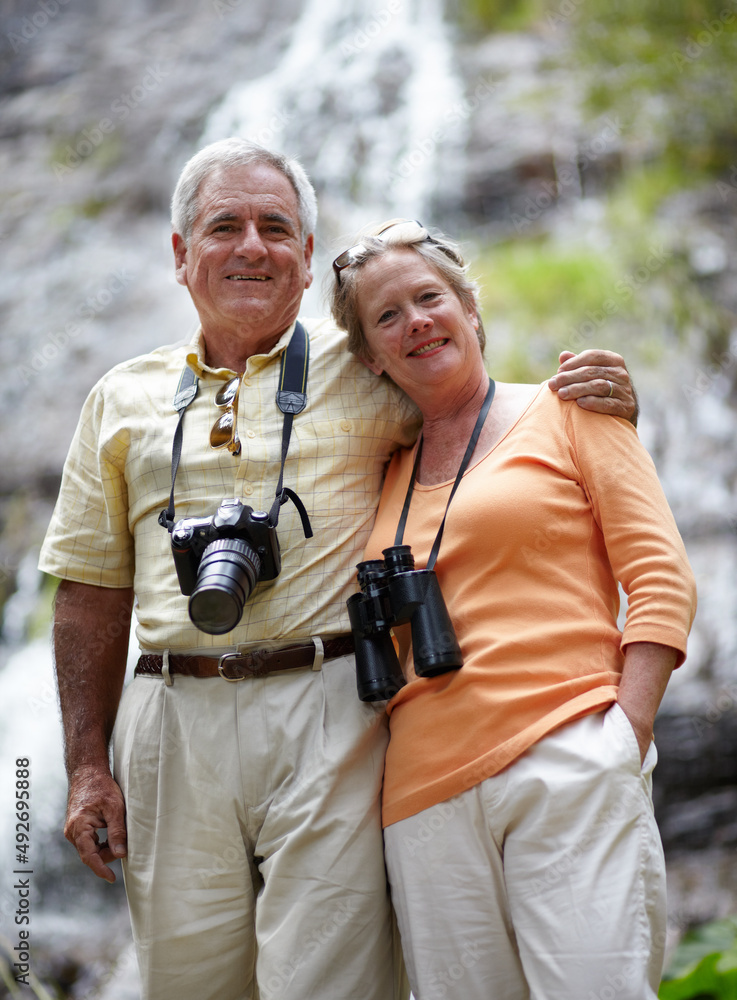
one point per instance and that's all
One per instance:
(232, 351)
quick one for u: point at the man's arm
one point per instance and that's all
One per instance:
(597, 380)
(91, 628)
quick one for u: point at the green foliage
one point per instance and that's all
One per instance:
(540, 297)
(665, 70)
(643, 188)
(540, 291)
(667, 67)
(705, 964)
(497, 15)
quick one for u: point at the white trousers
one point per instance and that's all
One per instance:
(544, 882)
(255, 864)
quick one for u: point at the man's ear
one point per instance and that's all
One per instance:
(370, 364)
(309, 249)
(180, 258)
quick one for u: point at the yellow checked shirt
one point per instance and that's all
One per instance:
(117, 477)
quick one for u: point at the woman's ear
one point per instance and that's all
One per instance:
(370, 364)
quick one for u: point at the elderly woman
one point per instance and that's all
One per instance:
(521, 845)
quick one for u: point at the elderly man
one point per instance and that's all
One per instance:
(246, 812)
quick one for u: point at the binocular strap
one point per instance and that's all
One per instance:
(473, 441)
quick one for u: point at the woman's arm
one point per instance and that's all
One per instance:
(645, 676)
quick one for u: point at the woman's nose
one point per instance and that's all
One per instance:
(419, 321)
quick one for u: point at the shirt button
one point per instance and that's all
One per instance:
(346, 425)
(246, 382)
(247, 490)
(251, 434)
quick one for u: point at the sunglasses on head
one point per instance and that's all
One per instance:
(410, 227)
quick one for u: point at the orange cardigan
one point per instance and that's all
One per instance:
(539, 532)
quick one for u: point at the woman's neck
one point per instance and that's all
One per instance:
(446, 429)
(445, 437)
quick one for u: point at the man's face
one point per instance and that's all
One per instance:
(246, 265)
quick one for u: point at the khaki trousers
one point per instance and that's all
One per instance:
(255, 865)
(544, 882)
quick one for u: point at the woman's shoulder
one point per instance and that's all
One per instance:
(517, 393)
(512, 400)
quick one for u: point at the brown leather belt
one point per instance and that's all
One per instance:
(255, 663)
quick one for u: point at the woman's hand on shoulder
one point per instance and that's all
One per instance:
(596, 380)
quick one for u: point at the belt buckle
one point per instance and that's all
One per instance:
(221, 668)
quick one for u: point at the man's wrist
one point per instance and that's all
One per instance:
(83, 771)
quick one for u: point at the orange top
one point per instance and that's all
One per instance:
(538, 534)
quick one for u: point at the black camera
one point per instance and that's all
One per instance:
(393, 593)
(220, 559)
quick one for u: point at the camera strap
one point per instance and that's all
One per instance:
(291, 398)
(473, 441)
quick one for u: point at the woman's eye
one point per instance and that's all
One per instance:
(385, 316)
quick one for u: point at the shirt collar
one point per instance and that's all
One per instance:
(196, 356)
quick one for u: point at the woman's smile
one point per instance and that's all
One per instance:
(426, 348)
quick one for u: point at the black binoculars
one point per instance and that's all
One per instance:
(393, 593)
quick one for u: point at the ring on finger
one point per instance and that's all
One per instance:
(611, 388)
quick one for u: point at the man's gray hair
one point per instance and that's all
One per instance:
(237, 152)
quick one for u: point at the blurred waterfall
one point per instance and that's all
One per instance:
(369, 100)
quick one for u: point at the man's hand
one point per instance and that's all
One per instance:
(96, 803)
(597, 380)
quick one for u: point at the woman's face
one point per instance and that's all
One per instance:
(417, 329)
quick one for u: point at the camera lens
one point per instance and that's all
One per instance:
(229, 570)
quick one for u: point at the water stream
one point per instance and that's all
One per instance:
(372, 102)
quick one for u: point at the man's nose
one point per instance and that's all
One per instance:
(250, 244)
